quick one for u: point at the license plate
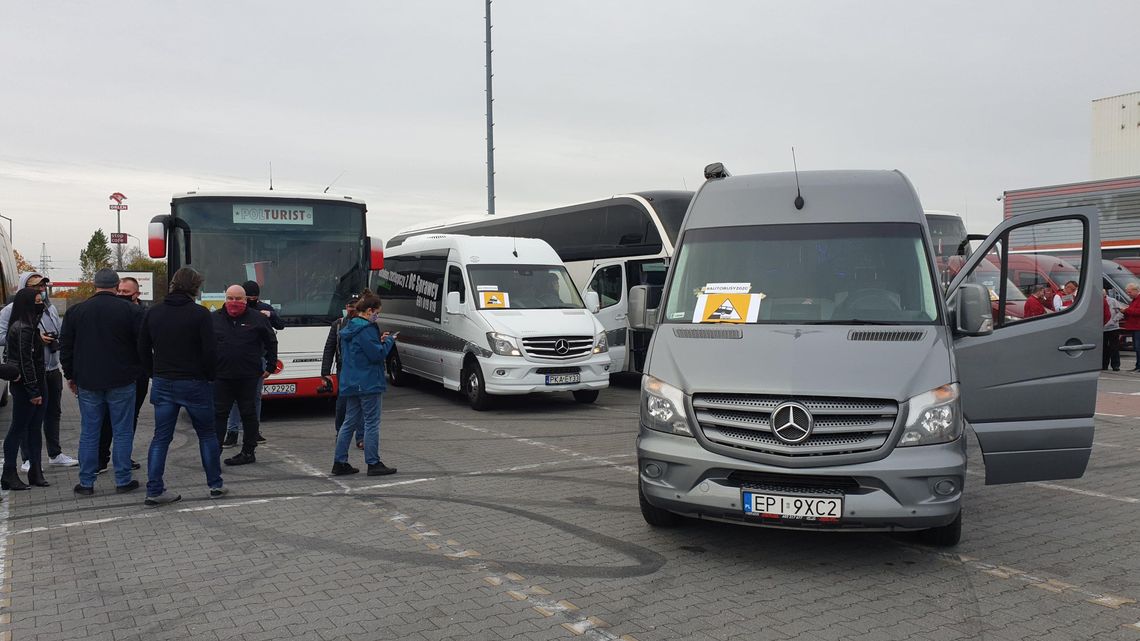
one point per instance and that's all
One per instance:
(563, 379)
(792, 507)
(280, 388)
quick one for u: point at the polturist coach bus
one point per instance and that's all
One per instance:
(308, 252)
(608, 246)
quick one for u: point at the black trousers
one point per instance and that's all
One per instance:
(141, 386)
(53, 391)
(27, 420)
(243, 391)
(1111, 353)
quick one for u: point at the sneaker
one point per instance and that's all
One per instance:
(380, 469)
(135, 464)
(341, 469)
(231, 440)
(102, 468)
(260, 438)
(241, 458)
(162, 499)
(63, 460)
(27, 465)
(129, 487)
(218, 492)
(83, 490)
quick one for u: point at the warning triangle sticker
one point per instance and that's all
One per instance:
(725, 311)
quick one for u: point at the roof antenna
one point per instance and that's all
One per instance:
(333, 182)
(799, 201)
(270, 175)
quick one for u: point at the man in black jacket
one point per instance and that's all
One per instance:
(252, 301)
(100, 362)
(178, 350)
(247, 353)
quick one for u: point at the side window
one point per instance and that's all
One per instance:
(1025, 277)
(607, 283)
(455, 283)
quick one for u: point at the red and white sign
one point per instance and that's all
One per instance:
(118, 197)
(118, 238)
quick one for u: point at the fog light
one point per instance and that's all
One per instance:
(500, 372)
(606, 367)
(653, 470)
(945, 487)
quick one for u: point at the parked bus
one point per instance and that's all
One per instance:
(608, 246)
(308, 252)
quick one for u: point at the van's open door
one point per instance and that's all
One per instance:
(1029, 388)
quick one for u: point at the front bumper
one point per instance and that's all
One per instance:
(894, 493)
(506, 375)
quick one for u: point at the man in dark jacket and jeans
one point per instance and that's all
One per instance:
(178, 349)
(100, 362)
(252, 301)
(247, 353)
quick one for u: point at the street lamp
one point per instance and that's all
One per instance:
(137, 240)
(9, 227)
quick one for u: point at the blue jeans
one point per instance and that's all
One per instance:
(366, 410)
(119, 404)
(341, 408)
(233, 425)
(169, 396)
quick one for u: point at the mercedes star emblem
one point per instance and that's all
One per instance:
(561, 346)
(792, 423)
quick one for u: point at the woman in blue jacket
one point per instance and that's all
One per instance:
(363, 350)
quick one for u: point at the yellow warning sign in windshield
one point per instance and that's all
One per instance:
(727, 308)
(495, 300)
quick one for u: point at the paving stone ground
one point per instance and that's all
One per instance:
(522, 523)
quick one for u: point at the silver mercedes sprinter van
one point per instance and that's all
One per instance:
(808, 372)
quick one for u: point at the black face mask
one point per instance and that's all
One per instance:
(251, 300)
(39, 307)
(126, 297)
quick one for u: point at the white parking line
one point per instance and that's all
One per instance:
(1074, 490)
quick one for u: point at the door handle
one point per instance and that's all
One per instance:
(620, 317)
(1082, 347)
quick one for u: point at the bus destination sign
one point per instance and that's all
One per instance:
(246, 214)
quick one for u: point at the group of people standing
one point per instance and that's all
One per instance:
(212, 364)
(109, 351)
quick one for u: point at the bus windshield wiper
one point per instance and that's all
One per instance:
(852, 321)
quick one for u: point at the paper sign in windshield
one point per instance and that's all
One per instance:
(213, 302)
(727, 288)
(727, 308)
(495, 300)
(487, 288)
(273, 215)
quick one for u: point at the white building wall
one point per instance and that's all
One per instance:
(1116, 136)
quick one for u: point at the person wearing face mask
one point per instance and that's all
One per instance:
(332, 355)
(50, 325)
(246, 354)
(99, 352)
(25, 350)
(253, 301)
(363, 349)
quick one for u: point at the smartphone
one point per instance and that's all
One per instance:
(393, 335)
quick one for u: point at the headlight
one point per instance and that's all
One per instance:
(503, 345)
(663, 407)
(601, 345)
(933, 417)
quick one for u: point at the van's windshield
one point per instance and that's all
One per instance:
(523, 287)
(834, 273)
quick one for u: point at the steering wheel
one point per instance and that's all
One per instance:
(870, 299)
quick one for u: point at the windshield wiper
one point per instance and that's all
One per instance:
(852, 321)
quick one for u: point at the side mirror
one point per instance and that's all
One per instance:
(453, 305)
(640, 316)
(971, 310)
(593, 303)
(375, 254)
(156, 237)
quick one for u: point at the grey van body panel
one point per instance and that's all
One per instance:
(1031, 404)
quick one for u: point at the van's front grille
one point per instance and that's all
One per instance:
(559, 348)
(840, 425)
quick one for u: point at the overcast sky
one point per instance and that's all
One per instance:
(591, 99)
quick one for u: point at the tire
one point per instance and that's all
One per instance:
(655, 516)
(585, 395)
(945, 536)
(394, 370)
(474, 387)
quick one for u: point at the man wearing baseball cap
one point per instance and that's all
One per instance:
(101, 362)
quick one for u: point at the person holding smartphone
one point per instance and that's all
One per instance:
(363, 350)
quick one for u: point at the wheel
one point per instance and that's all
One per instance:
(474, 387)
(394, 370)
(655, 516)
(945, 536)
(585, 395)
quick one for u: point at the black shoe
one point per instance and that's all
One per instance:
(242, 458)
(380, 469)
(230, 441)
(13, 482)
(1116, 369)
(260, 438)
(129, 487)
(341, 469)
(102, 468)
(135, 464)
(83, 490)
(36, 478)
